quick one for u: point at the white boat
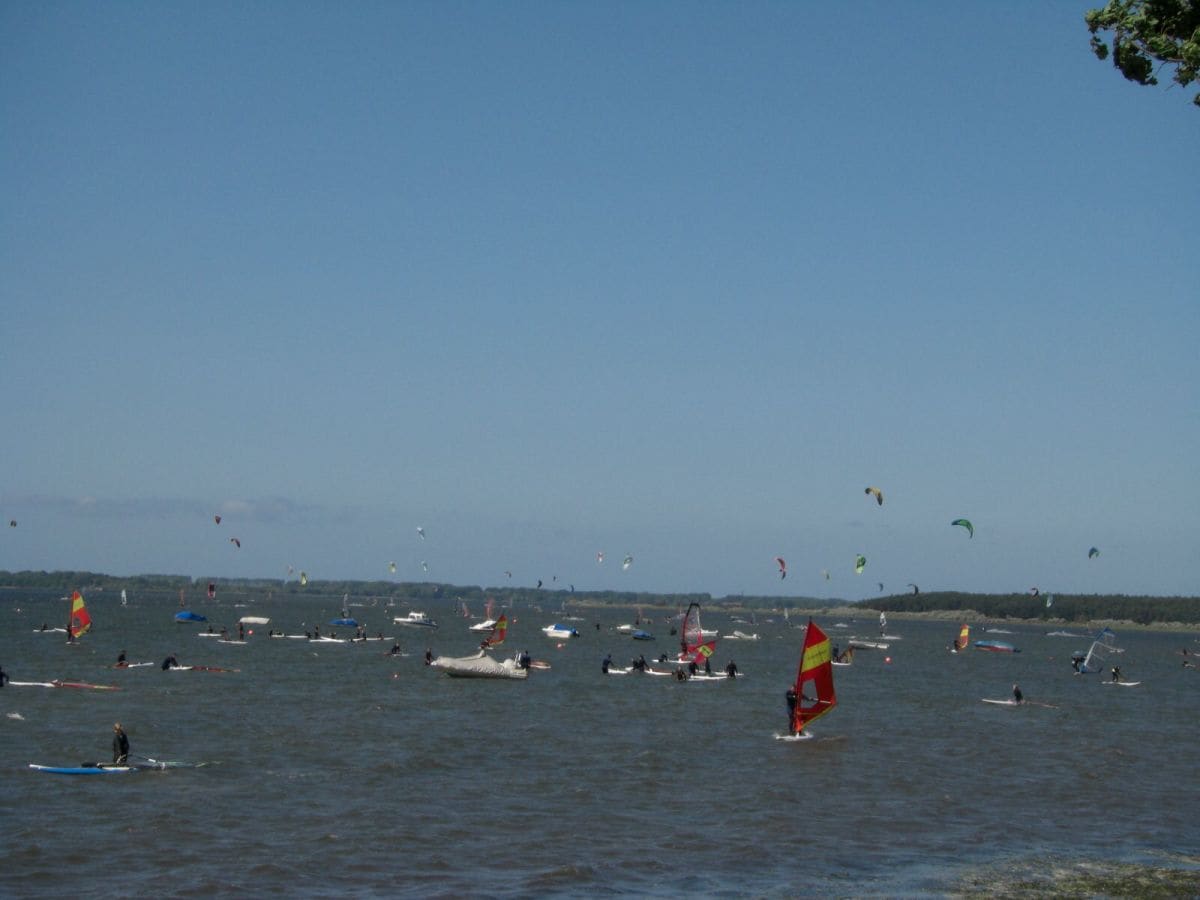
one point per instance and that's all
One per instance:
(479, 666)
(867, 645)
(485, 625)
(741, 636)
(623, 629)
(416, 620)
(254, 620)
(560, 632)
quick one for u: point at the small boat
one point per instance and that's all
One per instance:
(996, 646)
(479, 666)
(741, 636)
(254, 620)
(415, 620)
(640, 635)
(187, 616)
(813, 693)
(560, 632)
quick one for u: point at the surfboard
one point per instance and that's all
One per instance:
(84, 770)
(1009, 702)
(130, 665)
(1123, 683)
(791, 738)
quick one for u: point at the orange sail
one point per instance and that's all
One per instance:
(80, 620)
(815, 695)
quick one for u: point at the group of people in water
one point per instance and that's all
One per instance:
(639, 664)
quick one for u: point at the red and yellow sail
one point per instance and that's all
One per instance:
(815, 695)
(80, 620)
(964, 637)
(499, 630)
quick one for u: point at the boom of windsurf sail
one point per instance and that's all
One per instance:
(815, 695)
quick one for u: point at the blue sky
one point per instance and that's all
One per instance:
(674, 280)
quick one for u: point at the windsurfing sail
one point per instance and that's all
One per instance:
(964, 638)
(499, 631)
(690, 634)
(815, 695)
(1103, 648)
(882, 622)
(80, 620)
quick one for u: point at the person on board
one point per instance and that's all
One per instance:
(428, 655)
(120, 745)
(837, 657)
(525, 660)
(1076, 662)
(241, 632)
(731, 669)
(1017, 695)
(1116, 673)
(607, 662)
(170, 663)
(395, 651)
(792, 700)
(639, 664)
(692, 668)
(121, 660)
(45, 627)
(224, 633)
(707, 666)
(681, 675)
(3, 677)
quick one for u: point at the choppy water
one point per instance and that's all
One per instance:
(336, 770)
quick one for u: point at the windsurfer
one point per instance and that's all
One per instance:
(1017, 695)
(607, 662)
(731, 669)
(120, 745)
(792, 700)
(1116, 673)
(1076, 662)
(428, 655)
(639, 664)
(692, 668)
(707, 666)
(3, 677)
(121, 660)
(170, 663)
(395, 651)
(241, 632)
(524, 661)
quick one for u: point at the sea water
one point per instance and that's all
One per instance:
(339, 770)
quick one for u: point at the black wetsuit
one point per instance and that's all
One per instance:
(1017, 695)
(792, 699)
(731, 669)
(604, 665)
(120, 748)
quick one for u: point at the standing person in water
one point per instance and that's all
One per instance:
(120, 745)
(1017, 695)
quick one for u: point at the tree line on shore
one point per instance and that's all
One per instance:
(1143, 610)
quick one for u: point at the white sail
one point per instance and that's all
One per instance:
(1103, 648)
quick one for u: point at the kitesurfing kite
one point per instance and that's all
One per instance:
(860, 563)
(12, 523)
(236, 542)
(392, 568)
(782, 567)
(421, 532)
(600, 557)
(424, 566)
(1049, 600)
(508, 573)
(627, 562)
(1093, 553)
(825, 574)
(880, 587)
(878, 494)
(965, 523)
(217, 519)
(916, 590)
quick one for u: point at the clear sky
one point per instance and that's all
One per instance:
(673, 280)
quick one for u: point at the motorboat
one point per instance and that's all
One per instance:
(416, 619)
(485, 625)
(560, 632)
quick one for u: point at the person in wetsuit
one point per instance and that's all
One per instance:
(792, 700)
(524, 661)
(121, 659)
(170, 662)
(1017, 695)
(120, 745)
(607, 662)
(731, 669)
(1116, 673)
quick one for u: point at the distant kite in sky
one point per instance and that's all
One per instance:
(860, 563)
(1049, 600)
(916, 590)
(627, 562)
(600, 557)
(539, 584)
(421, 532)
(12, 523)
(877, 493)
(782, 566)
(965, 523)
(825, 574)
(507, 573)
(1093, 553)
(881, 587)
(303, 578)
(392, 568)
(217, 519)
(1034, 591)
(237, 543)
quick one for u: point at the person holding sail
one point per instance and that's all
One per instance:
(120, 745)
